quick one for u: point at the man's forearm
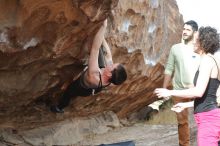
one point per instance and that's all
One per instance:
(108, 56)
(166, 81)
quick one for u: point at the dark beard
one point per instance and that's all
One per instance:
(190, 38)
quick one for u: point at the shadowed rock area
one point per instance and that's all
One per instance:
(42, 49)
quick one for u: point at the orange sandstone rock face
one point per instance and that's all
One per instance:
(42, 48)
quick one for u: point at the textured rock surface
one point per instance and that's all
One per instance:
(63, 133)
(99, 129)
(42, 49)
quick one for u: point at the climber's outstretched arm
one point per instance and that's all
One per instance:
(93, 66)
(108, 56)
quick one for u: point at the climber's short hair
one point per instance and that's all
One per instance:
(119, 75)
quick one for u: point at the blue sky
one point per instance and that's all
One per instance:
(204, 12)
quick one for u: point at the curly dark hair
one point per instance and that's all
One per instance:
(209, 39)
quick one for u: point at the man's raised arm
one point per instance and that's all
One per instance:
(93, 66)
(108, 56)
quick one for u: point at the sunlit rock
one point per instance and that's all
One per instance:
(42, 49)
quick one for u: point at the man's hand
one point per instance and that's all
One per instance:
(179, 107)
